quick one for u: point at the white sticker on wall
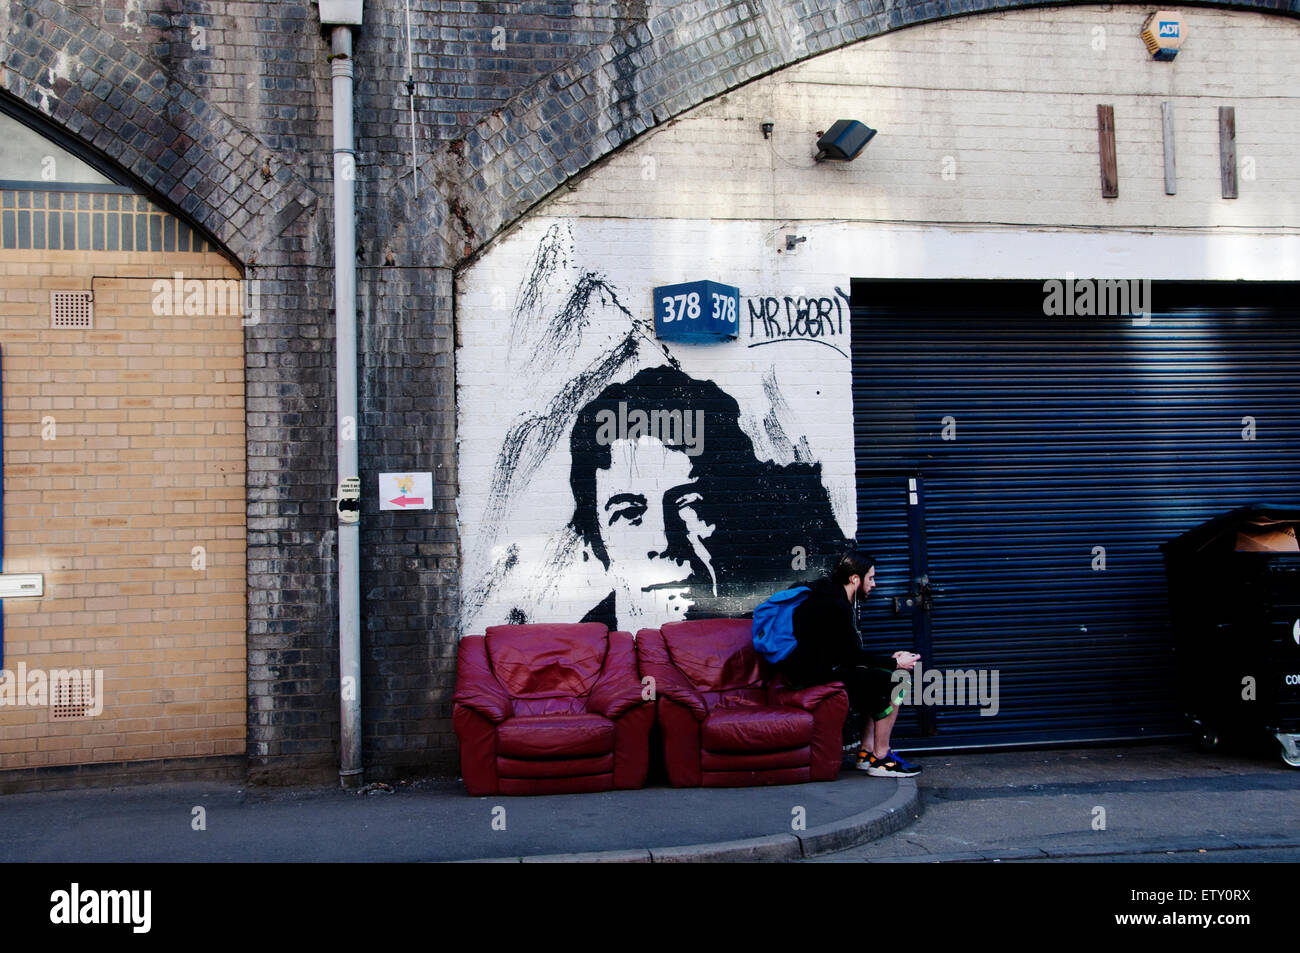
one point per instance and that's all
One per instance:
(406, 491)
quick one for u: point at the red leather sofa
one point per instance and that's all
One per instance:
(725, 720)
(550, 709)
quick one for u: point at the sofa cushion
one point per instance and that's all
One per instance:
(555, 736)
(551, 705)
(541, 659)
(737, 698)
(552, 768)
(754, 760)
(756, 729)
(714, 654)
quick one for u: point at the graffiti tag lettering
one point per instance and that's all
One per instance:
(801, 318)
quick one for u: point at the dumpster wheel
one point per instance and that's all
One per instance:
(1290, 745)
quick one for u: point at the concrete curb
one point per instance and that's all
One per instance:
(586, 857)
(775, 847)
(872, 824)
(896, 813)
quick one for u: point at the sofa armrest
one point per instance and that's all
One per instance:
(806, 698)
(617, 690)
(653, 660)
(476, 687)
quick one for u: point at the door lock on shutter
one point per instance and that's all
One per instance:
(923, 595)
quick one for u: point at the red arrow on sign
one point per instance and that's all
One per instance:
(404, 500)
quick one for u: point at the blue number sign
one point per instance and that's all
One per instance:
(697, 311)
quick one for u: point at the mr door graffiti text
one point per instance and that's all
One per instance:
(798, 318)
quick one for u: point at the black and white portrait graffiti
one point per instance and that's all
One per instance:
(609, 476)
(671, 500)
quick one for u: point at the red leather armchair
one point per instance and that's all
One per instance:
(727, 720)
(550, 709)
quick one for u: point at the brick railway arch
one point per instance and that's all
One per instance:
(178, 149)
(195, 158)
(144, 394)
(546, 135)
(124, 113)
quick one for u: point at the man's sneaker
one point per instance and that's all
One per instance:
(904, 763)
(886, 767)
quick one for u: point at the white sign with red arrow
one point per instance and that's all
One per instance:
(406, 491)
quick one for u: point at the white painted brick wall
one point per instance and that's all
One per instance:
(1012, 97)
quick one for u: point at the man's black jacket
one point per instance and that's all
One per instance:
(826, 637)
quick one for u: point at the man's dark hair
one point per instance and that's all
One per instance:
(724, 447)
(851, 564)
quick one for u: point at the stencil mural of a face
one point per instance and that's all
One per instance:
(683, 505)
(648, 509)
(671, 500)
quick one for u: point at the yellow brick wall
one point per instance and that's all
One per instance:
(147, 462)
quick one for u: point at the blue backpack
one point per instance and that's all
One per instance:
(774, 623)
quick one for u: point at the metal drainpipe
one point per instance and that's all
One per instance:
(345, 349)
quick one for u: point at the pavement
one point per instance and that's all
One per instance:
(1141, 802)
(433, 820)
(1134, 803)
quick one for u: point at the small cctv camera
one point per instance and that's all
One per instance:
(768, 126)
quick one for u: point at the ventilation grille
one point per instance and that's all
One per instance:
(70, 698)
(72, 309)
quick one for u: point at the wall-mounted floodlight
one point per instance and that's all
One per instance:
(844, 140)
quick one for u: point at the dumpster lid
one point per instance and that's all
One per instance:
(1256, 528)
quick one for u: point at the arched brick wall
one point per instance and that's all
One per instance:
(200, 130)
(130, 91)
(173, 141)
(667, 64)
(664, 62)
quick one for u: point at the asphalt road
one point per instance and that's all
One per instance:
(1148, 803)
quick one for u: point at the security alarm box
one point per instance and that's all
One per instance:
(1163, 34)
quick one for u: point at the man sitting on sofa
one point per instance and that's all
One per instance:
(829, 650)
